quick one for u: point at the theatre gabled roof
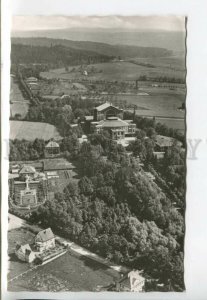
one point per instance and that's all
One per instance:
(105, 106)
(113, 123)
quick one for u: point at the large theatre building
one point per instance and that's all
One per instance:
(109, 118)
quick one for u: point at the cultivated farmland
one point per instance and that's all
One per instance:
(32, 130)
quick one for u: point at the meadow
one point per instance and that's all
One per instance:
(58, 88)
(22, 236)
(173, 63)
(32, 130)
(155, 104)
(119, 70)
(70, 272)
(18, 104)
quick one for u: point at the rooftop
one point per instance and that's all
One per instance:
(113, 123)
(52, 144)
(89, 118)
(23, 247)
(45, 235)
(27, 169)
(105, 105)
(31, 79)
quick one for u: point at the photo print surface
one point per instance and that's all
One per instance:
(97, 159)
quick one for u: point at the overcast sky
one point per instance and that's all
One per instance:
(30, 23)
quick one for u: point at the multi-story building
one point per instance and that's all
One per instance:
(105, 111)
(109, 118)
(52, 149)
(45, 240)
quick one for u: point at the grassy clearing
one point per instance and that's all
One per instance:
(171, 123)
(20, 236)
(32, 130)
(174, 64)
(111, 71)
(18, 104)
(70, 272)
(156, 104)
(59, 88)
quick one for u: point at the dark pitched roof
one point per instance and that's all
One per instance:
(26, 169)
(23, 247)
(105, 106)
(45, 235)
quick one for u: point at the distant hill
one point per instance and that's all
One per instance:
(54, 55)
(171, 40)
(100, 48)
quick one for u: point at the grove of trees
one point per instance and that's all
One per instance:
(118, 212)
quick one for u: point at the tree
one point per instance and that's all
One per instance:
(139, 149)
(85, 186)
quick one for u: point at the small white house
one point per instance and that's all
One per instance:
(25, 253)
(137, 282)
(45, 240)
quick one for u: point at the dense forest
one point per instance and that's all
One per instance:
(163, 79)
(118, 212)
(55, 56)
(102, 49)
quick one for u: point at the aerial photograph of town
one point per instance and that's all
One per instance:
(97, 154)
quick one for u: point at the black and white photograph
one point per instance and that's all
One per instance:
(97, 153)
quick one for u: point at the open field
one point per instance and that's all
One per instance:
(161, 103)
(18, 104)
(173, 123)
(21, 236)
(70, 272)
(112, 71)
(171, 63)
(155, 104)
(53, 90)
(32, 130)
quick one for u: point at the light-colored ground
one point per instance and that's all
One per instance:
(111, 71)
(18, 104)
(32, 130)
(15, 222)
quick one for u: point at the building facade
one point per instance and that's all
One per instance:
(106, 110)
(45, 240)
(52, 149)
(28, 188)
(109, 118)
(25, 253)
